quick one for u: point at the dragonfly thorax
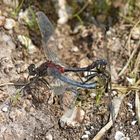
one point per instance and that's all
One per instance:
(59, 68)
(43, 69)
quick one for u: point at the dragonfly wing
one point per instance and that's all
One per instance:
(58, 86)
(47, 30)
(67, 94)
(49, 44)
(45, 26)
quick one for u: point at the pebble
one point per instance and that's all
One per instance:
(120, 136)
(49, 137)
(85, 137)
(93, 95)
(9, 24)
(6, 38)
(109, 33)
(114, 93)
(136, 33)
(11, 3)
(87, 133)
(5, 109)
(63, 12)
(75, 49)
(134, 122)
(27, 43)
(130, 105)
(133, 113)
(72, 117)
(92, 127)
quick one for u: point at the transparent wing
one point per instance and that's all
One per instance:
(45, 26)
(49, 44)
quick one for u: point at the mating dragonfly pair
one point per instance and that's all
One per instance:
(53, 68)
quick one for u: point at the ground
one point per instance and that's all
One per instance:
(34, 113)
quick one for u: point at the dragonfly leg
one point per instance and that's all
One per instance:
(45, 82)
(89, 77)
(79, 77)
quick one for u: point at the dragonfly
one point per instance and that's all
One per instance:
(52, 67)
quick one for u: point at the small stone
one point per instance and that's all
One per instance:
(109, 33)
(87, 133)
(63, 12)
(119, 135)
(134, 122)
(75, 49)
(49, 137)
(29, 97)
(130, 105)
(6, 38)
(72, 117)
(114, 93)
(133, 113)
(32, 110)
(136, 33)
(63, 20)
(27, 43)
(91, 127)
(11, 3)
(93, 95)
(5, 109)
(85, 137)
(9, 24)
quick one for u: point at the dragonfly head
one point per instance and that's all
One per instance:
(32, 70)
(100, 64)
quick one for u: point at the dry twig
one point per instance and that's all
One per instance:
(134, 51)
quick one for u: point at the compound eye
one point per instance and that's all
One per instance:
(31, 69)
(105, 62)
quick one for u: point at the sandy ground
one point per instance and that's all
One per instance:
(35, 113)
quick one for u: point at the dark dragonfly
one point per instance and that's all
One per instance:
(52, 67)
